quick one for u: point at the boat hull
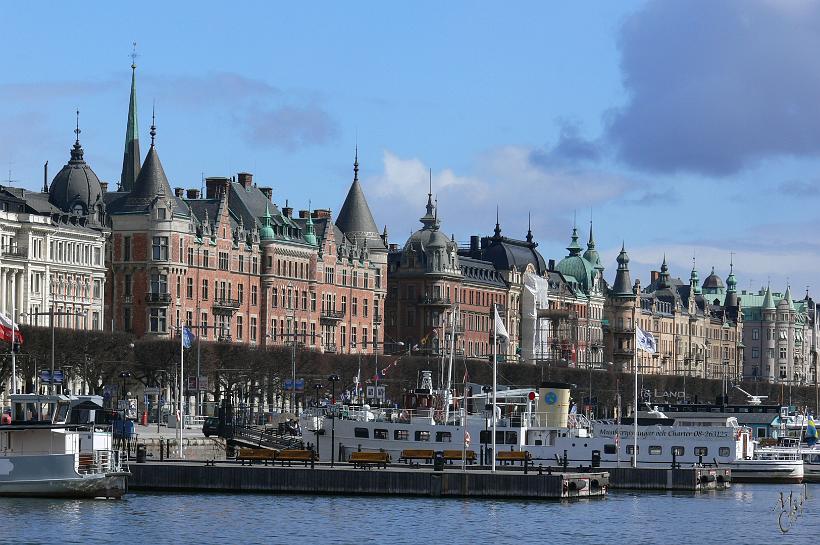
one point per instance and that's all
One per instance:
(764, 471)
(113, 486)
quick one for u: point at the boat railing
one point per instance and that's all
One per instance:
(100, 461)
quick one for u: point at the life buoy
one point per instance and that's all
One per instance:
(405, 416)
(466, 439)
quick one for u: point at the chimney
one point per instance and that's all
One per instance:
(215, 186)
(193, 193)
(393, 247)
(104, 187)
(475, 244)
(321, 213)
(179, 192)
(304, 214)
(246, 179)
(551, 265)
(267, 192)
(653, 276)
(287, 211)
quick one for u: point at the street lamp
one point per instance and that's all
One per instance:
(123, 375)
(333, 380)
(52, 313)
(318, 387)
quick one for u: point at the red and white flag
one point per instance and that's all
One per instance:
(6, 329)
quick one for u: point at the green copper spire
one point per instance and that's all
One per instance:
(266, 231)
(131, 156)
(574, 248)
(788, 297)
(768, 301)
(694, 279)
(310, 232)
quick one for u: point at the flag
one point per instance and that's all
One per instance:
(433, 334)
(187, 337)
(645, 341)
(500, 330)
(811, 432)
(6, 329)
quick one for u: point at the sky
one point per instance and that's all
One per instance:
(685, 129)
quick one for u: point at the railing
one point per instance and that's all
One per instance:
(435, 301)
(226, 302)
(330, 348)
(328, 314)
(377, 318)
(101, 461)
(161, 298)
(194, 421)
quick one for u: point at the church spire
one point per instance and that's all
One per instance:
(131, 156)
(529, 227)
(497, 230)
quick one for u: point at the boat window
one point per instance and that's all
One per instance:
(677, 451)
(380, 434)
(701, 451)
(62, 413)
(512, 438)
(422, 435)
(630, 449)
(655, 450)
(401, 435)
(724, 451)
(361, 432)
(610, 449)
(444, 437)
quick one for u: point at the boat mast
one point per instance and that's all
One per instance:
(495, 379)
(449, 396)
(635, 408)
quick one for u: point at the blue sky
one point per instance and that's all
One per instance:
(679, 127)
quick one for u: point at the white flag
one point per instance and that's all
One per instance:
(646, 341)
(500, 330)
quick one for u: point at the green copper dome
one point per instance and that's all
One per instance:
(576, 266)
(266, 231)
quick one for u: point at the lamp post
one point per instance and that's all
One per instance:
(318, 388)
(292, 322)
(52, 313)
(334, 378)
(123, 376)
(159, 397)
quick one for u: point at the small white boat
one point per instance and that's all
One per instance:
(50, 446)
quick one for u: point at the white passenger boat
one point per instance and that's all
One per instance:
(50, 446)
(540, 422)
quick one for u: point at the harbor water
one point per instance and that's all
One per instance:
(744, 514)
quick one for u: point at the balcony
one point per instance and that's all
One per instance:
(225, 305)
(158, 298)
(330, 348)
(377, 318)
(428, 301)
(329, 315)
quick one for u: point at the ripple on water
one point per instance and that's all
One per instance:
(743, 514)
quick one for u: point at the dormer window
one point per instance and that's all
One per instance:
(161, 213)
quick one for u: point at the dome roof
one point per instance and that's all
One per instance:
(76, 188)
(713, 281)
(266, 231)
(578, 268)
(427, 238)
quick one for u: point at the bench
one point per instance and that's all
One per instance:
(252, 455)
(365, 460)
(289, 456)
(513, 456)
(456, 455)
(417, 454)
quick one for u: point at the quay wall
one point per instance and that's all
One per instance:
(176, 476)
(691, 479)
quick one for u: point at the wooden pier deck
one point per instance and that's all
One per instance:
(345, 480)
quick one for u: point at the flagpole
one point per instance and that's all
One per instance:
(13, 340)
(495, 378)
(181, 420)
(635, 408)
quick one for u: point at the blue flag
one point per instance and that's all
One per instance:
(187, 337)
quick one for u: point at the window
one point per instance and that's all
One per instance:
(610, 449)
(239, 327)
(655, 450)
(364, 308)
(380, 434)
(755, 353)
(401, 435)
(782, 352)
(191, 257)
(630, 449)
(344, 277)
(189, 288)
(126, 248)
(701, 451)
(355, 279)
(158, 320)
(126, 319)
(361, 432)
(422, 435)
(511, 438)
(253, 328)
(344, 304)
(203, 322)
(223, 261)
(444, 437)
(378, 279)
(189, 318)
(355, 306)
(723, 452)
(312, 333)
(159, 283)
(313, 301)
(241, 263)
(159, 249)
(344, 337)
(179, 287)
(274, 297)
(253, 295)
(304, 300)
(755, 333)
(206, 258)
(97, 290)
(254, 265)
(240, 293)
(204, 289)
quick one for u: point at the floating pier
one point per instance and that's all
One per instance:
(344, 480)
(689, 479)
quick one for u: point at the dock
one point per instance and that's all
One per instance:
(694, 479)
(343, 479)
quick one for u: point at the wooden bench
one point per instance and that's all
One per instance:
(407, 455)
(365, 460)
(252, 455)
(513, 456)
(290, 456)
(456, 456)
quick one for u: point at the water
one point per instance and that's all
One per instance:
(743, 514)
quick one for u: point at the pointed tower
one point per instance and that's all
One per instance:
(131, 156)
(574, 248)
(266, 231)
(591, 254)
(731, 288)
(694, 280)
(310, 230)
(623, 282)
(355, 219)
(663, 278)
(76, 188)
(788, 297)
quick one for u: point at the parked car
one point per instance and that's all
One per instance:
(211, 426)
